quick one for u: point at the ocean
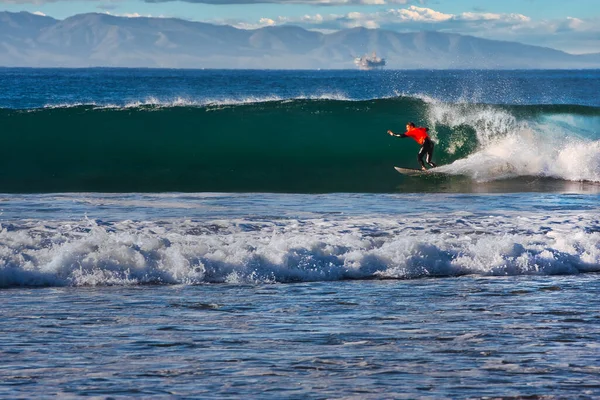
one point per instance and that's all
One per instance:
(243, 234)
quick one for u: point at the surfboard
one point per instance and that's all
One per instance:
(413, 171)
(410, 171)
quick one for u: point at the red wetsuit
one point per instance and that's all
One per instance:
(419, 134)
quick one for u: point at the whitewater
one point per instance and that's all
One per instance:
(268, 238)
(229, 234)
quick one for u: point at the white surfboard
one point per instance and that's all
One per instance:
(414, 172)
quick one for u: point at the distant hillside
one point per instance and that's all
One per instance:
(85, 40)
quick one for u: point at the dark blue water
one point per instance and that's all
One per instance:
(33, 88)
(487, 290)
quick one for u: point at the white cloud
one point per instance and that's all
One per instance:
(575, 23)
(267, 22)
(314, 19)
(399, 17)
(420, 14)
(41, 14)
(469, 16)
(406, 16)
(134, 15)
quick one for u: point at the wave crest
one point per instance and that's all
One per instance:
(538, 141)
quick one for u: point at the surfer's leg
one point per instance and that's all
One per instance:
(430, 154)
(420, 157)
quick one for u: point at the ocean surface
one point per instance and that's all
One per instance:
(243, 234)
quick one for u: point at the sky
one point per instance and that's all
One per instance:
(569, 25)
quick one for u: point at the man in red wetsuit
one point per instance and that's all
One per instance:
(420, 135)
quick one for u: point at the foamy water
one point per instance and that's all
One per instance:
(196, 241)
(565, 148)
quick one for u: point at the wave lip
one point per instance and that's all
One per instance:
(94, 253)
(157, 102)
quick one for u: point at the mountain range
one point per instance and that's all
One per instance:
(102, 40)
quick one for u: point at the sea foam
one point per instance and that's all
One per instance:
(181, 251)
(510, 147)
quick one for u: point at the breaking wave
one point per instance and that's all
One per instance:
(315, 144)
(180, 251)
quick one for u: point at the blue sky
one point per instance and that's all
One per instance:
(572, 26)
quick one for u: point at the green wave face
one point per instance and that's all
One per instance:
(284, 146)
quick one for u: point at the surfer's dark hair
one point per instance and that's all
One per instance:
(411, 124)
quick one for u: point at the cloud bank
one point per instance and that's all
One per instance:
(569, 34)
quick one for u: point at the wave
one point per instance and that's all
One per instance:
(297, 145)
(242, 251)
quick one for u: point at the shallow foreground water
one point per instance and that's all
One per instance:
(446, 337)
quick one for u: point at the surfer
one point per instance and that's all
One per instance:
(419, 134)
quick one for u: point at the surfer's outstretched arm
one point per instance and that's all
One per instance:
(400, 135)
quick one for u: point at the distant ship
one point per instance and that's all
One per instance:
(367, 62)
